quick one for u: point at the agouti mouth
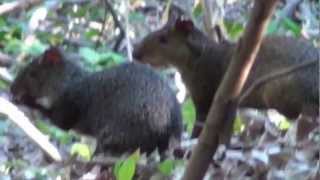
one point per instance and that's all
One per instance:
(139, 58)
(136, 55)
(28, 100)
(21, 98)
(15, 98)
(151, 63)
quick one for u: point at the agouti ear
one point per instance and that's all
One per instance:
(52, 55)
(185, 26)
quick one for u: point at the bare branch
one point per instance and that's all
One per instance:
(129, 45)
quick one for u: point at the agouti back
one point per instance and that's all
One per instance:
(125, 107)
(202, 64)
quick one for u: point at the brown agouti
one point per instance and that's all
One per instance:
(202, 64)
(125, 107)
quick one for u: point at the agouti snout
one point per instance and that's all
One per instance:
(202, 64)
(125, 107)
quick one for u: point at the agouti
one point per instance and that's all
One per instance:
(125, 107)
(202, 64)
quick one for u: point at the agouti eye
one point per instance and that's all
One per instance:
(163, 39)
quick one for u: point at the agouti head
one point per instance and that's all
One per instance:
(42, 81)
(167, 46)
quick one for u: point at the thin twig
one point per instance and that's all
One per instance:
(117, 24)
(129, 46)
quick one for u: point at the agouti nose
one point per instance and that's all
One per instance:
(17, 95)
(16, 98)
(136, 54)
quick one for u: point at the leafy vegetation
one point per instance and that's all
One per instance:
(125, 170)
(88, 29)
(189, 114)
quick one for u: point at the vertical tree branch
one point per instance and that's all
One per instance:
(128, 42)
(218, 125)
(117, 24)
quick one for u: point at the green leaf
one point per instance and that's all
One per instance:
(42, 126)
(136, 155)
(82, 150)
(3, 23)
(272, 27)
(35, 48)
(189, 114)
(110, 57)
(279, 120)
(81, 12)
(3, 85)
(238, 125)
(117, 167)
(62, 136)
(96, 13)
(234, 29)
(13, 46)
(292, 26)
(55, 39)
(100, 60)
(89, 54)
(136, 17)
(91, 33)
(167, 167)
(125, 170)
(284, 124)
(54, 132)
(197, 10)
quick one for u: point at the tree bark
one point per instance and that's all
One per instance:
(218, 125)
